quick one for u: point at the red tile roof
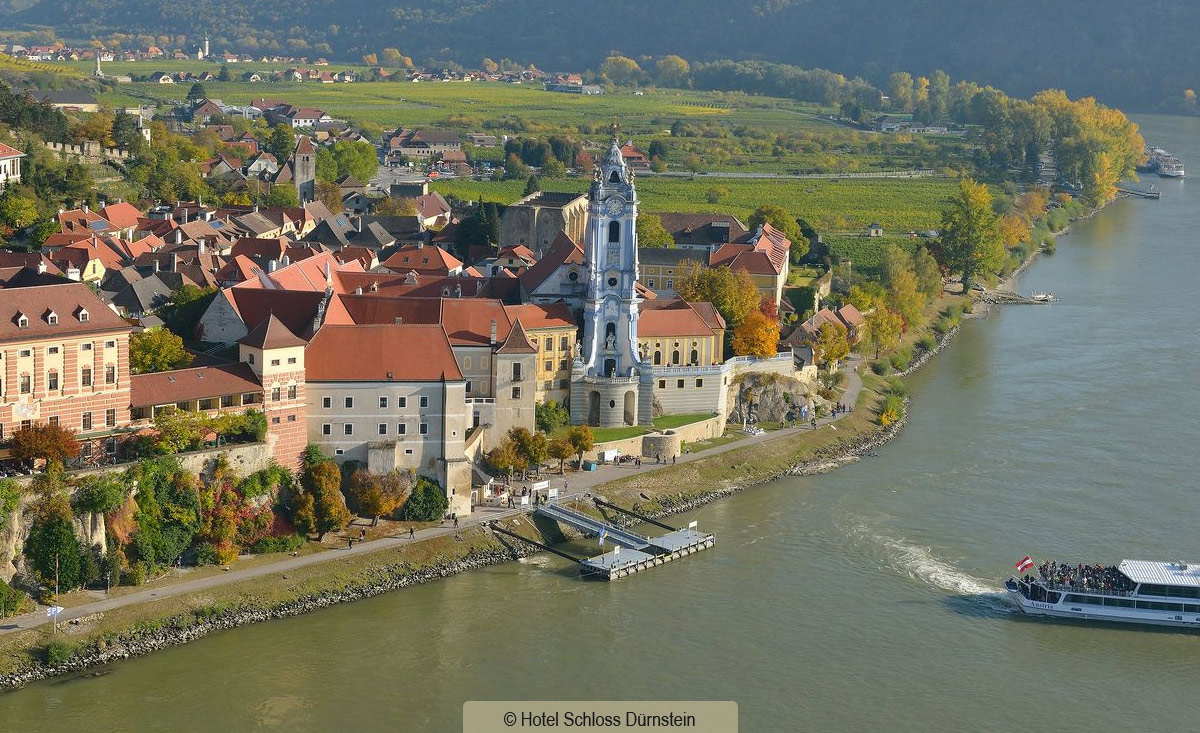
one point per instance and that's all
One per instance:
(197, 383)
(122, 215)
(535, 316)
(424, 260)
(66, 300)
(674, 317)
(397, 353)
(562, 251)
(271, 334)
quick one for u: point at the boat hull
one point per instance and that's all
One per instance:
(1087, 612)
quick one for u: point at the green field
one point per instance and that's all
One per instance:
(866, 252)
(901, 205)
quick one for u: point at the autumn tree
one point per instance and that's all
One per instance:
(18, 207)
(324, 508)
(561, 449)
(503, 458)
(971, 240)
(905, 298)
(651, 233)
(832, 344)
(758, 335)
(377, 496)
(929, 275)
(778, 217)
(732, 293)
(395, 206)
(282, 195)
(900, 91)
(672, 71)
(157, 350)
(531, 446)
(581, 439)
(329, 194)
(621, 70)
(44, 441)
(881, 330)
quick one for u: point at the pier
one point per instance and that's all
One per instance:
(632, 552)
(1007, 297)
(1153, 193)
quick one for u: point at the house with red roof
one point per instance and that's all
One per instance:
(10, 165)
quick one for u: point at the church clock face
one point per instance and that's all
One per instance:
(614, 206)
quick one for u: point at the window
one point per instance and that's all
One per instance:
(291, 360)
(208, 404)
(679, 384)
(699, 383)
(110, 344)
(670, 283)
(348, 428)
(423, 428)
(22, 322)
(549, 343)
(327, 402)
(675, 357)
(110, 374)
(403, 401)
(338, 452)
(53, 420)
(516, 393)
(326, 429)
(695, 357)
(292, 392)
(85, 376)
(466, 362)
(85, 346)
(52, 350)
(614, 228)
(276, 394)
(227, 400)
(250, 359)
(52, 380)
(52, 318)
(650, 284)
(662, 384)
(401, 429)
(274, 421)
(26, 384)
(658, 358)
(110, 418)
(564, 344)
(84, 317)
(383, 402)
(87, 421)
(516, 371)
(562, 364)
(25, 353)
(349, 403)
(549, 366)
(383, 428)
(291, 418)
(424, 401)
(274, 362)
(27, 424)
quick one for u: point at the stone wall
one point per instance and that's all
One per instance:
(652, 444)
(88, 150)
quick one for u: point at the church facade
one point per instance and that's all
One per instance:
(611, 381)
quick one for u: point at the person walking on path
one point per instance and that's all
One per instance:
(411, 533)
(362, 534)
(456, 521)
(351, 543)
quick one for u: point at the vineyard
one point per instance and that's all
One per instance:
(900, 205)
(866, 253)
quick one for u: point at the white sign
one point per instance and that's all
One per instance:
(541, 485)
(53, 611)
(553, 493)
(691, 525)
(524, 501)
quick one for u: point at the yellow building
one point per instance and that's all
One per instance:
(675, 332)
(550, 328)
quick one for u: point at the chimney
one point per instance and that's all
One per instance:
(358, 290)
(493, 331)
(458, 290)
(285, 261)
(156, 265)
(174, 262)
(375, 287)
(398, 320)
(41, 267)
(272, 265)
(200, 246)
(85, 208)
(178, 236)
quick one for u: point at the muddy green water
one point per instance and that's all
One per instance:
(867, 599)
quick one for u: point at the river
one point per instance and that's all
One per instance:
(865, 599)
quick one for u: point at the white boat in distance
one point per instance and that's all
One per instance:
(1136, 591)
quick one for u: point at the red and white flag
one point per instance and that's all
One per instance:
(1025, 564)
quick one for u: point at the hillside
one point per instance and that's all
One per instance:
(1133, 54)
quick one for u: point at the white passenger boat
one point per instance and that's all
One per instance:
(1136, 591)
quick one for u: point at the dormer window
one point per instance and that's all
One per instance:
(52, 318)
(83, 315)
(22, 321)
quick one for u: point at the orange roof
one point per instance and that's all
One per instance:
(382, 353)
(7, 151)
(238, 269)
(562, 251)
(517, 342)
(67, 301)
(427, 260)
(181, 385)
(81, 220)
(673, 317)
(122, 215)
(271, 334)
(535, 316)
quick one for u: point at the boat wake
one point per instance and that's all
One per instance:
(922, 565)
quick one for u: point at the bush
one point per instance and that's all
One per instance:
(897, 387)
(927, 343)
(99, 494)
(893, 408)
(206, 554)
(943, 326)
(261, 483)
(12, 601)
(427, 503)
(286, 543)
(59, 652)
(901, 359)
(136, 573)
(881, 366)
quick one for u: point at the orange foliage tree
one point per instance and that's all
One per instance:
(758, 335)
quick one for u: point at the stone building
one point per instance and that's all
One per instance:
(536, 220)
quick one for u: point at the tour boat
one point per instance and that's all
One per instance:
(1163, 163)
(1136, 591)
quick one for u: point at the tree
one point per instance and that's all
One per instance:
(832, 343)
(971, 239)
(223, 75)
(550, 416)
(370, 59)
(651, 233)
(531, 447)
(322, 481)
(282, 195)
(184, 309)
(778, 217)
(196, 93)
(55, 553)
(395, 206)
(503, 458)
(18, 207)
(327, 167)
(732, 293)
(356, 158)
(882, 329)
(377, 496)
(392, 57)
(157, 350)
(621, 70)
(532, 186)
(905, 299)
(554, 168)
(581, 439)
(929, 275)
(10, 499)
(900, 90)
(514, 169)
(561, 449)
(44, 441)
(672, 71)
(328, 194)
(758, 335)
(427, 503)
(280, 142)
(100, 494)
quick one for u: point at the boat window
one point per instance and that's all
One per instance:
(1052, 597)
(1148, 589)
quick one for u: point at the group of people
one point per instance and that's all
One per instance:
(1085, 577)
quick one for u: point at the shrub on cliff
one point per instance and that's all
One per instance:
(427, 503)
(13, 601)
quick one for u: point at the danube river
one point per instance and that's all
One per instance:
(866, 599)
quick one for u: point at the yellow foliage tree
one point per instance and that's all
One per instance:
(758, 335)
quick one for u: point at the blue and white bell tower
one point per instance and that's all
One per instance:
(611, 385)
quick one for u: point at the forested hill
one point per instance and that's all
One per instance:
(1128, 53)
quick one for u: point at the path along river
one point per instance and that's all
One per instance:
(867, 599)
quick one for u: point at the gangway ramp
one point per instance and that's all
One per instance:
(594, 527)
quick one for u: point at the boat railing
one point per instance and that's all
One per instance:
(1087, 590)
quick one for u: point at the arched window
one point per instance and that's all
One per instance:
(675, 357)
(695, 357)
(658, 358)
(614, 177)
(614, 231)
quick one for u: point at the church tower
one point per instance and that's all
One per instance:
(611, 385)
(304, 168)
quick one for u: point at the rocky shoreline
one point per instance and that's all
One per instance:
(183, 629)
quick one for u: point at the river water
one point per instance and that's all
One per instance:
(866, 599)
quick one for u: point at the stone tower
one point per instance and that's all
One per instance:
(611, 385)
(304, 168)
